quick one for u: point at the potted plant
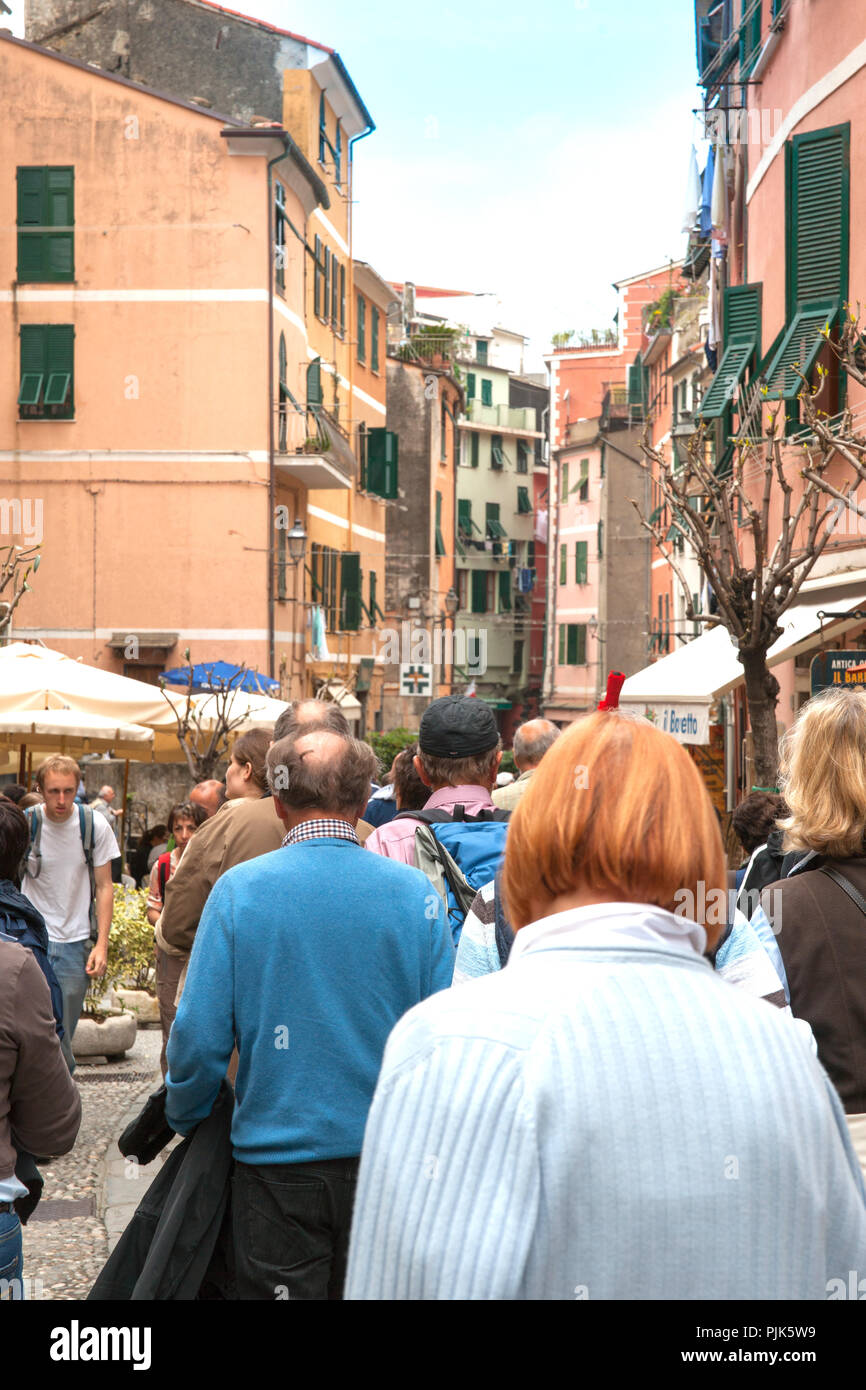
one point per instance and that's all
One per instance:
(104, 1030)
(133, 970)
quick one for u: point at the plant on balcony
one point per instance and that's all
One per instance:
(659, 314)
(317, 443)
(562, 339)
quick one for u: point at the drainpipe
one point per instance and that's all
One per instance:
(350, 285)
(552, 647)
(272, 482)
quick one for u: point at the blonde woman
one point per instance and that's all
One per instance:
(819, 912)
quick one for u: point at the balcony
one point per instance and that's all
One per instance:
(504, 418)
(311, 447)
(616, 412)
(430, 349)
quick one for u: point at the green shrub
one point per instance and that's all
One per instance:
(130, 949)
(387, 746)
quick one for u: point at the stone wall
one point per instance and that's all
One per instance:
(154, 787)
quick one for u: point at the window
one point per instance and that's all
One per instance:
(338, 155)
(572, 644)
(318, 278)
(524, 506)
(326, 297)
(335, 293)
(314, 384)
(479, 591)
(362, 332)
(374, 340)
(374, 609)
(280, 236)
(563, 564)
(750, 34)
(440, 544)
(505, 582)
(494, 529)
(350, 591)
(463, 589)
(470, 386)
(583, 485)
(282, 415)
(667, 622)
(742, 340)
(443, 432)
(676, 405)
(486, 391)
(580, 562)
(481, 351)
(45, 223)
(600, 539)
(465, 524)
(497, 458)
(473, 450)
(601, 461)
(522, 456)
(342, 301)
(323, 130)
(382, 463)
(517, 659)
(47, 372)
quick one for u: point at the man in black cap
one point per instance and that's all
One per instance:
(458, 758)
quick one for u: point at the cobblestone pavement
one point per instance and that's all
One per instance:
(67, 1241)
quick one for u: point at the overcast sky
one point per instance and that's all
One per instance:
(537, 150)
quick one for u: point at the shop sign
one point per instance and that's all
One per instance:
(830, 669)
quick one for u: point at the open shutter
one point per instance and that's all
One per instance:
(318, 277)
(32, 377)
(59, 361)
(580, 562)
(350, 591)
(730, 373)
(382, 463)
(479, 591)
(440, 543)
(818, 231)
(505, 582)
(799, 349)
(314, 384)
(742, 340)
(561, 644)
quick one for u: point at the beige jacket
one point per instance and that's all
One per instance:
(506, 798)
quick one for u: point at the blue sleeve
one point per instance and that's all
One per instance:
(442, 951)
(760, 924)
(203, 1035)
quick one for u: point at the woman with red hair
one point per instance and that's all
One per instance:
(601, 1118)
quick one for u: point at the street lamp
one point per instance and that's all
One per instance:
(297, 539)
(452, 603)
(682, 434)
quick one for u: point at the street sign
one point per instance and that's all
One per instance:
(837, 668)
(689, 723)
(416, 678)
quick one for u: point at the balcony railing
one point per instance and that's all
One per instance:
(503, 417)
(426, 347)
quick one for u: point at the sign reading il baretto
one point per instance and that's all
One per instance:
(687, 723)
(838, 668)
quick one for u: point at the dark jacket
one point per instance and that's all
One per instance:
(178, 1244)
(20, 921)
(822, 937)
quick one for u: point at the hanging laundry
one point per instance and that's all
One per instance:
(707, 194)
(541, 525)
(692, 209)
(719, 209)
(319, 642)
(714, 332)
(525, 581)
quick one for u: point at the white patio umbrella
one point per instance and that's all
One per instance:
(68, 731)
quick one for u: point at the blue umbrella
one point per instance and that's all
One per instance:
(221, 675)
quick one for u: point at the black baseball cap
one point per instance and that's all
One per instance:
(457, 726)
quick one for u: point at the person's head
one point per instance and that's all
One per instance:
(316, 772)
(31, 799)
(755, 817)
(410, 792)
(157, 835)
(246, 774)
(822, 775)
(14, 839)
(531, 742)
(107, 794)
(458, 744)
(57, 779)
(616, 812)
(184, 820)
(210, 794)
(14, 792)
(300, 712)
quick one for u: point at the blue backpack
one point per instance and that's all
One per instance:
(459, 853)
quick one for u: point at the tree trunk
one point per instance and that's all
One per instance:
(762, 692)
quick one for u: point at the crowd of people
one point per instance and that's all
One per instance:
(448, 1039)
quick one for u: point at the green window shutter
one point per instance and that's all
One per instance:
(57, 388)
(571, 645)
(818, 192)
(362, 344)
(470, 386)
(524, 506)
(479, 591)
(561, 644)
(750, 35)
(729, 374)
(497, 458)
(464, 517)
(31, 185)
(375, 610)
(600, 539)
(583, 485)
(281, 563)
(374, 340)
(580, 631)
(522, 456)
(486, 391)
(342, 301)
(799, 349)
(505, 591)
(563, 564)
(742, 314)
(481, 351)
(326, 292)
(637, 382)
(45, 201)
(382, 463)
(338, 155)
(580, 562)
(323, 129)
(495, 530)
(742, 342)
(318, 278)
(564, 493)
(473, 450)
(350, 591)
(335, 292)
(47, 367)
(440, 544)
(314, 384)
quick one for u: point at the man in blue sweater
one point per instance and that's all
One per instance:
(304, 959)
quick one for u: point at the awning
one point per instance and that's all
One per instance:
(338, 692)
(700, 672)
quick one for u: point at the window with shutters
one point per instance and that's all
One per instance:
(374, 340)
(374, 609)
(440, 543)
(495, 530)
(362, 329)
(479, 591)
(326, 293)
(600, 538)
(563, 564)
(314, 384)
(564, 480)
(817, 173)
(583, 485)
(280, 237)
(318, 278)
(324, 142)
(46, 218)
(338, 155)
(342, 301)
(335, 294)
(524, 505)
(517, 658)
(463, 589)
(443, 432)
(350, 591)
(750, 34)
(382, 463)
(505, 583)
(282, 412)
(580, 562)
(473, 450)
(481, 351)
(47, 372)
(486, 391)
(465, 525)
(522, 456)
(470, 386)
(741, 347)
(497, 456)
(572, 644)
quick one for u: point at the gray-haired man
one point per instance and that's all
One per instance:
(531, 742)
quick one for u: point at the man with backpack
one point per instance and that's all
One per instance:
(68, 879)
(458, 839)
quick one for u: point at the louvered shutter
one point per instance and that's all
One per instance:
(350, 591)
(742, 339)
(819, 173)
(382, 463)
(799, 349)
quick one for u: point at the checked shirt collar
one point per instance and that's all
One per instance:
(328, 826)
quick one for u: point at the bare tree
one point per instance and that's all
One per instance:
(204, 739)
(754, 575)
(17, 563)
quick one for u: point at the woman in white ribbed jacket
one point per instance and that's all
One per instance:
(603, 1117)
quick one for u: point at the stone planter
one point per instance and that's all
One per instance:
(138, 1001)
(111, 1037)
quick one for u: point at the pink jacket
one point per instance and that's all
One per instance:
(396, 840)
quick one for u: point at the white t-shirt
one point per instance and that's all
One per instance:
(62, 890)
